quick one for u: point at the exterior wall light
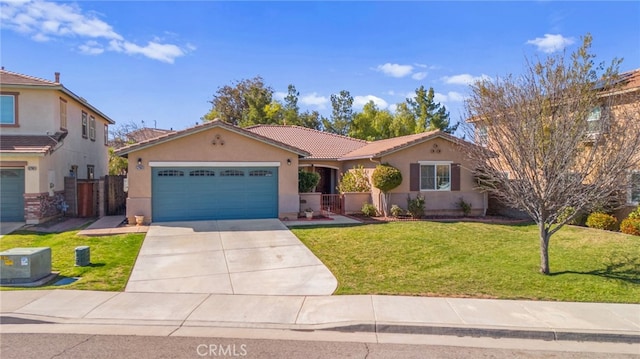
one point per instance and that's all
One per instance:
(288, 161)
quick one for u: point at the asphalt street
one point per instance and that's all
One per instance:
(62, 346)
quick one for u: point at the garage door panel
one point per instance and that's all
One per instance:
(214, 193)
(11, 195)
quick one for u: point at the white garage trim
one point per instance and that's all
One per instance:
(213, 164)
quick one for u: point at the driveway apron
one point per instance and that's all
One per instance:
(260, 257)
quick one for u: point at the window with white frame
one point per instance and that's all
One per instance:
(634, 190)
(85, 125)
(92, 128)
(435, 176)
(8, 109)
(594, 120)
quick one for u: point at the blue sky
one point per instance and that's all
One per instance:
(162, 61)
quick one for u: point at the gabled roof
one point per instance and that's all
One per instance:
(26, 144)
(386, 147)
(320, 145)
(146, 133)
(124, 151)
(14, 79)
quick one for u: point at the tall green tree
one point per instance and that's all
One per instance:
(430, 115)
(291, 109)
(372, 123)
(404, 121)
(341, 114)
(311, 120)
(242, 103)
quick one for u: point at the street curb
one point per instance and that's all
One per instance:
(496, 333)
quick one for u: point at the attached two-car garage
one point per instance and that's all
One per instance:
(201, 193)
(212, 171)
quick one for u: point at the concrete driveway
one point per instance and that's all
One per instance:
(260, 257)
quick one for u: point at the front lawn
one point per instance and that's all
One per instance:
(112, 257)
(478, 260)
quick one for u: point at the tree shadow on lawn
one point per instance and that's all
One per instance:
(625, 269)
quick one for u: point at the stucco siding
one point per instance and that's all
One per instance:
(199, 147)
(436, 202)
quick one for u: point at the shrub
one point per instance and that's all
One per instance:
(464, 206)
(635, 214)
(307, 181)
(369, 210)
(355, 180)
(630, 226)
(386, 177)
(601, 220)
(415, 207)
(396, 211)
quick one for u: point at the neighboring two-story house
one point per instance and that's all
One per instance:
(620, 104)
(47, 132)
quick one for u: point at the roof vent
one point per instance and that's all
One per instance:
(57, 74)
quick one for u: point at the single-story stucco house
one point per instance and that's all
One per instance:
(219, 171)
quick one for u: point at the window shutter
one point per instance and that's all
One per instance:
(414, 177)
(455, 176)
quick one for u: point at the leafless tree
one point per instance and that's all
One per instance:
(560, 138)
(119, 135)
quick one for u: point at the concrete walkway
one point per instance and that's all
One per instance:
(259, 257)
(111, 225)
(8, 227)
(365, 318)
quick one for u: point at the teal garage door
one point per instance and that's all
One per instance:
(11, 195)
(201, 193)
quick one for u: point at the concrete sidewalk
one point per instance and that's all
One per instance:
(183, 314)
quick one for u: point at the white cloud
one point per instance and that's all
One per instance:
(279, 95)
(91, 48)
(551, 43)
(360, 101)
(45, 21)
(419, 75)
(314, 100)
(451, 96)
(464, 79)
(395, 70)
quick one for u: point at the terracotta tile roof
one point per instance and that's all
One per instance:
(13, 78)
(147, 133)
(321, 145)
(124, 151)
(388, 146)
(632, 79)
(26, 144)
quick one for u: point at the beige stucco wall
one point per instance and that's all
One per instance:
(436, 202)
(198, 147)
(39, 114)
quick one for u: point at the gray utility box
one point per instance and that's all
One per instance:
(24, 265)
(83, 256)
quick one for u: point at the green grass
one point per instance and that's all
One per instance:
(112, 257)
(479, 260)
